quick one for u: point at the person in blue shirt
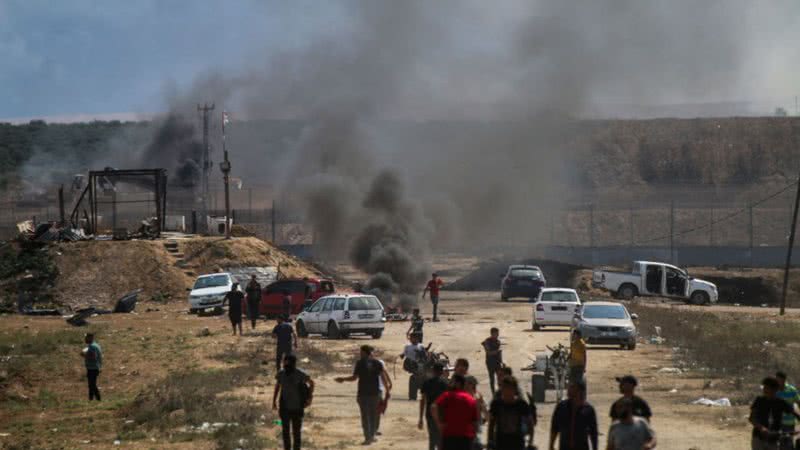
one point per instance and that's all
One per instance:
(93, 360)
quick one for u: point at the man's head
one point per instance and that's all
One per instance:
(437, 369)
(576, 334)
(781, 377)
(457, 381)
(89, 338)
(624, 410)
(462, 367)
(415, 311)
(234, 287)
(414, 338)
(281, 319)
(770, 386)
(509, 387)
(289, 362)
(366, 351)
(253, 278)
(577, 391)
(504, 371)
(495, 332)
(434, 275)
(470, 384)
(627, 385)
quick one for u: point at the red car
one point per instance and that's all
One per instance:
(303, 292)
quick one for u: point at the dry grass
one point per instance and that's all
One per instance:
(739, 348)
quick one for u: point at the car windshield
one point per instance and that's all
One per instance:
(559, 296)
(526, 273)
(210, 282)
(364, 303)
(604, 312)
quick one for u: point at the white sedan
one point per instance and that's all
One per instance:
(555, 307)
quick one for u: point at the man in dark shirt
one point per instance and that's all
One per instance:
(432, 388)
(235, 299)
(494, 356)
(253, 300)
(417, 322)
(287, 305)
(285, 340)
(766, 415)
(368, 371)
(296, 390)
(574, 421)
(510, 418)
(627, 387)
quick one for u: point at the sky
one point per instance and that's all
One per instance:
(61, 58)
(85, 58)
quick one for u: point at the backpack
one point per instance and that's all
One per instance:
(305, 393)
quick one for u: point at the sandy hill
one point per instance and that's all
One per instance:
(99, 272)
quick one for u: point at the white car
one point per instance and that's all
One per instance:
(209, 292)
(555, 307)
(338, 316)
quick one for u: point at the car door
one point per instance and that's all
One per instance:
(313, 316)
(326, 313)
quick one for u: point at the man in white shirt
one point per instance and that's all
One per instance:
(413, 355)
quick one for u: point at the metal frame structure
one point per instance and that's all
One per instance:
(158, 187)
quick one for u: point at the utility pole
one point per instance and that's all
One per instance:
(226, 175)
(789, 249)
(205, 165)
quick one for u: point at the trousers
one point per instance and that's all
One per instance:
(91, 376)
(368, 405)
(292, 425)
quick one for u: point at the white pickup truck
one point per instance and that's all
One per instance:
(651, 279)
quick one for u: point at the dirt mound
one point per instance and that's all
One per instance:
(97, 273)
(488, 274)
(207, 255)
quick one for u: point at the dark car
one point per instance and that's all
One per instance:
(522, 281)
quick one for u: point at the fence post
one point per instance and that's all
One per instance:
(273, 222)
(672, 231)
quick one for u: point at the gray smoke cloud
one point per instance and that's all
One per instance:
(429, 124)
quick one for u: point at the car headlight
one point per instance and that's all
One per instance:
(630, 330)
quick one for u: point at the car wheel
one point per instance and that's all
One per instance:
(193, 310)
(627, 292)
(632, 346)
(503, 298)
(333, 330)
(218, 310)
(301, 329)
(698, 298)
(377, 334)
(536, 326)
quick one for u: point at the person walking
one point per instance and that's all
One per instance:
(577, 358)
(574, 421)
(432, 388)
(368, 371)
(413, 355)
(510, 418)
(93, 360)
(234, 298)
(766, 416)
(296, 391)
(630, 432)
(253, 300)
(286, 308)
(627, 387)
(471, 386)
(433, 287)
(383, 405)
(455, 413)
(285, 340)
(494, 356)
(417, 323)
(789, 394)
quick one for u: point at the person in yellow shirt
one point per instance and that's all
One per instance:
(577, 358)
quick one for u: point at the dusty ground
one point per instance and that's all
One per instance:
(48, 408)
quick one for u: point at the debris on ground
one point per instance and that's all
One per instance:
(51, 232)
(204, 332)
(127, 303)
(722, 402)
(673, 370)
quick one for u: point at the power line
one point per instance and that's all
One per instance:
(723, 218)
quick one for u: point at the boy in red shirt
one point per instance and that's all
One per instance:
(456, 413)
(433, 287)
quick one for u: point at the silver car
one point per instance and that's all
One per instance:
(606, 323)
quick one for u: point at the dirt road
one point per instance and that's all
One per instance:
(467, 318)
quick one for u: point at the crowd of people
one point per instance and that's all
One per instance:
(455, 413)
